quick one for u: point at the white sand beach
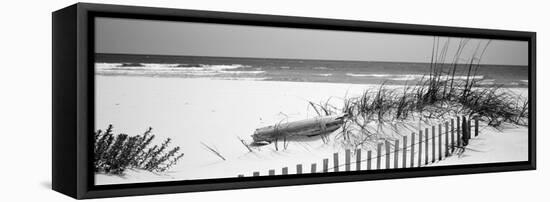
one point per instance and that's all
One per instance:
(192, 111)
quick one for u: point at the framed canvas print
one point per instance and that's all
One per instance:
(155, 100)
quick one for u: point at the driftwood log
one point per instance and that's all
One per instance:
(308, 127)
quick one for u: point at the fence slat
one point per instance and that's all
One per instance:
(358, 159)
(420, 139)
(433, 144)
(458, 132)
(404, 151)
(348, 160)
(469, 128)
(427, 138)
(388, 152)
(271, 172)
(439, 142)
(285, 171)
(313, 168)
(395, 154)
(452, 135)
(446, 139)
(477, 127)
(369, 155)
(465, 135)
(379, 156)
(335, 161)
(412, 150)
(325, 165)
(299, 169)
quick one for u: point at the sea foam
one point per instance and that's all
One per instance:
(173, 69)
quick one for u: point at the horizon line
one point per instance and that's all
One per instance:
(330, 60)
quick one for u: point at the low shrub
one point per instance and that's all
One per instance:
(113, 154)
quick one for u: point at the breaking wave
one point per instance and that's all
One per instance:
(411, 77)
(325, 75)
(173, 69)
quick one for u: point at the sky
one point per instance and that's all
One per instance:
(132, 36)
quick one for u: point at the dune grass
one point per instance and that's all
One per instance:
(440, 93)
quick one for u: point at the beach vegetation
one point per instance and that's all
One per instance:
(447, 90)
(114, 154)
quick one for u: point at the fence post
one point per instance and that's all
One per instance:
(465, 135)
(299, 169)
(336, 164)
(325, 165)
(395, 154)
(452, 135)
(285, 171)
(256, 174)
(369, 155)
(433, 144)
(358, 159)
(313, 168)
(427, 137)
(379, 156)
(271, 172)
(420, 147)
(348, 160)
(469, 128)
(412, 150)
(388, 152)
(458, 132)
(404, 150)
(446, 139)
(439, 142)
(476, 126)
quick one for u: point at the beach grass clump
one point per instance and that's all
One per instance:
(496, 106)
(447, 90)
(114, 154)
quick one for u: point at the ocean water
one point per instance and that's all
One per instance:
(360, 72)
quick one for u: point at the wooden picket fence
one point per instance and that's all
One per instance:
(423, 149)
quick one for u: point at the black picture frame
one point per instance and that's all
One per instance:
(73, 100)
